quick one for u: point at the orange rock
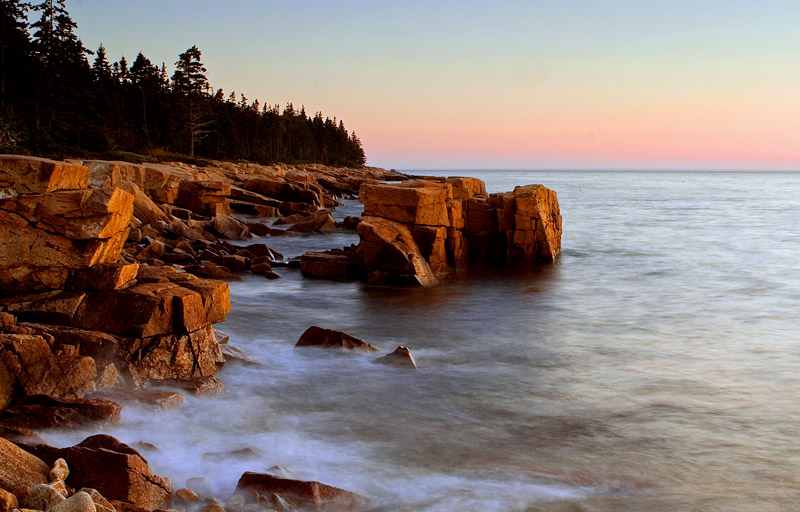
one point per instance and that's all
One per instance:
(537, 224)
(229, 227)
(215, 295)
(466, 187)
(144, 208)
(104, 277)
(20, 470)
(320, 221)
(38, 372)
(313, 495)
(419, 203)
(206, 197)
(77, 214)
(389, 247)
(318, 337)
(152, 308)
(115, 470)
(173, 356)
(31, 175)
(55, 307)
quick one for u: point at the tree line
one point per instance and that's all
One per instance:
(59, 98)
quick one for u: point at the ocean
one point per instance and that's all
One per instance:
(655, 366)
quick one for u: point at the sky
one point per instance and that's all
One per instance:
(501, 84)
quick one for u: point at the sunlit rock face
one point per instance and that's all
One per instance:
(422, 229)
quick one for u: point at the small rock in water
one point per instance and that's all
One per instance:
(318, 337)
(401, 357)
(187, 495)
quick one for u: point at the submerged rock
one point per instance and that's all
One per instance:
(306, 494)
(318, 337)
(401, 358)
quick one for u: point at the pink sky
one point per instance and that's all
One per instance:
(504, 84)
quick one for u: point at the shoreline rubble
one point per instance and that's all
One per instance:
(112, 277)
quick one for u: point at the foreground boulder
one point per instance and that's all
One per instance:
(318, 337)
(311, 495)
(20, 470)
(113, 468)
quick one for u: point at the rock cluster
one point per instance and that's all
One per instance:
(418, 231)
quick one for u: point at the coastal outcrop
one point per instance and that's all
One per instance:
(421, 230)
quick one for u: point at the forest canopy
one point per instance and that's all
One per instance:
(59, 98)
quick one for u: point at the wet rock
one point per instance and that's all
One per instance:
(199, 385)
(40, 411)
(291, 219)
(389, 247)
(107, 277)
(318, 337)
(56, 307)
(161, 399)
(212, 270)
(262, 250)
(320, 221)
(8, 501)
(286, 191)
(308, 494)
(259, 229)
(240, 454)
(100, 502)
(350, 223)
(114, 469)
(401, 358)
(337, 265)
(231, 353)
(78, 502)
(228, 227)
(36, 370)
(167, 357)
(108, 377)
(43, 497)
(187, 495)
(59, 470)
(20, 470)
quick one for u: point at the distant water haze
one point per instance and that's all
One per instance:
(653, 367)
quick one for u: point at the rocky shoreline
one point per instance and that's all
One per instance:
(112, 277)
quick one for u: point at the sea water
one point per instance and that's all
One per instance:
(655, 366)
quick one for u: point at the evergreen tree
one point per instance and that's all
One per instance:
(15, 68)
(189, 81)
(101, 68)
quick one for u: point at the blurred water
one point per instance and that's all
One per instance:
(654, 366)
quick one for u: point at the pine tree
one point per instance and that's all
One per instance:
(15, 66)
(189, 81)
(101, 68)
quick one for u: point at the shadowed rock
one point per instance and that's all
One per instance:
(318, 337)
